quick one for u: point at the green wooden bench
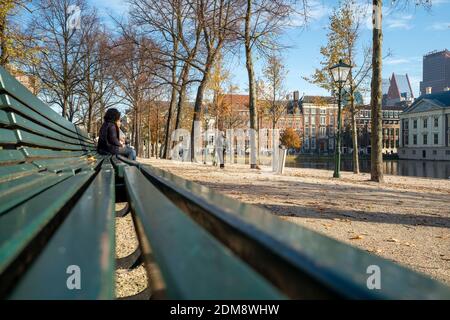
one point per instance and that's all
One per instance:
(299, 263)
(57, 213)
(56, 202)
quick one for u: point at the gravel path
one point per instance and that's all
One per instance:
(406, 219)
(128, 282)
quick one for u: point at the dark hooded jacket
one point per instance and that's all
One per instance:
(108, 140)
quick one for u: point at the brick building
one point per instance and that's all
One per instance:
(313, 117)
(320, 123)
(391, 127)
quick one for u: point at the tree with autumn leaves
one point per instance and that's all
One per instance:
(343, 36)
(16, 45)
(290, 139)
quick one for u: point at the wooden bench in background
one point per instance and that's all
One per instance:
(57, 210)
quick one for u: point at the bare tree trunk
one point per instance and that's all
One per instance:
(149, 141)
(252, 90)
(137, 131)
(173, 100)
(90, 109)
(182, 94)
(157, 135)
(197, 112)
(376, 96)
(199, 102)
(172, 105)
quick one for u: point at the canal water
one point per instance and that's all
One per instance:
(413, 168)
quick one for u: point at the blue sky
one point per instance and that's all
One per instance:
(408, 34)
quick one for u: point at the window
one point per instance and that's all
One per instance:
(332, 120)
(395, 114)
(313, 111)
(406, 140)
(323, 111)
(313, 119)
(414, 152)
(306, 143)
(313, 143)
(425, 139)
(397, 132)
(313, 131)
(391, 114)
(434, 152)
(425, 123)
(436, 122)
(307, 120)
(322, 120)
(415, 139)
(307, 131)
(436, 138)
(307, 110)
(414, 124)
(366, 114)
(397, 143)
(322, 131)
(447, 152)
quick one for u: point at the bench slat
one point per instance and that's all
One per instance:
(8, 173)
(35, 140)
(12, 86)
(85, 239)
(327, 264)
(72, 165)
(23, 123)
(18, 190)
(7, 137)
(9, 102)
(35, 153)
(193, 264)
(4, 120)
(21, 225)
(11, 156)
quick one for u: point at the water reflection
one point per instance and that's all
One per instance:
(415, 168)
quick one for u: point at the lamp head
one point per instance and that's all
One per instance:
(340, 72)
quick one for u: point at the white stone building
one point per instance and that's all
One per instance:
(424, 127)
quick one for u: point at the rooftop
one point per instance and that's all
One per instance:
(437, 100)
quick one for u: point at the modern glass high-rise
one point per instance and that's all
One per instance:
(436, 72)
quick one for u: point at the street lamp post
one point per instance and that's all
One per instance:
(339, 73)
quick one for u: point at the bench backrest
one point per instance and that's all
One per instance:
(46, 164)
(29, 129)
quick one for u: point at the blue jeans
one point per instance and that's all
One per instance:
(128, 152)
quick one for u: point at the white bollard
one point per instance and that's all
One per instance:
(281, 159)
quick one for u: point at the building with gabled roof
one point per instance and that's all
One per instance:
(400, 90)
(425, 130)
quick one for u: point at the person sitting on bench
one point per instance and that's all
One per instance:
(109, 136)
